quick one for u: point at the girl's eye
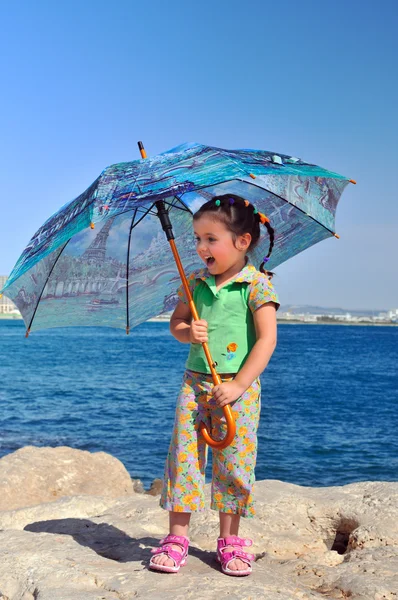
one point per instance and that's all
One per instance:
(212, 239)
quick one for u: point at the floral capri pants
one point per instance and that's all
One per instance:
(233, 467)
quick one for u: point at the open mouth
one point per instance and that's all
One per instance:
(209, 260)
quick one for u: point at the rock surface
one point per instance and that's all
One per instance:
(34, 475)
(336, 542)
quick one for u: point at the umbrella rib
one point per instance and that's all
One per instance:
(220, 151)
(185, 209)
(133, 224)
(248, 183)
(138, 175)
(291, 204)
(203, 187)
(39, 246)
(44, 287)
(127, 273)
(144, 215)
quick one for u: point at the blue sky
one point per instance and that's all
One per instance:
(83, 81)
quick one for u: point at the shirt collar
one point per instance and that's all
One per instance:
(247, 274)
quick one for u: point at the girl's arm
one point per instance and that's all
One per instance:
(184, 329)
(265, 324)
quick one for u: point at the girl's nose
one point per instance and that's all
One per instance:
(200, 247)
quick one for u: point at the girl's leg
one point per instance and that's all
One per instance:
(178, 525)
(233, 467)
(229, 525)
(184, 474)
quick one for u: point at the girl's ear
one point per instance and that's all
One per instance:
(244, 241)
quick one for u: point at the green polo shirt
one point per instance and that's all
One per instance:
(229, 314)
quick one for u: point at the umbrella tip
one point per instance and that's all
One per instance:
(353, 181)
(127, 330)
(92, 225)
(141, 149)
(252, 176)
(336, 236)
(27, 332)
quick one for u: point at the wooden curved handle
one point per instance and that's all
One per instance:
(231, 430)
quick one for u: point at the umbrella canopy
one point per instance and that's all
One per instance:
(103, 259)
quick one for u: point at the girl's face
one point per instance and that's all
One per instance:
(215, 246)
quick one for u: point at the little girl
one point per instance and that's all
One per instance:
(237, 306)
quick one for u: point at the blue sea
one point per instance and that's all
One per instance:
(329, 401)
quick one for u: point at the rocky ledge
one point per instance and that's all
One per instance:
(73, 528)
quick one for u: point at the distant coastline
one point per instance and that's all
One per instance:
(328, 321)
(283, 321)
(339, 322)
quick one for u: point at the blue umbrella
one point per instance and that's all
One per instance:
(103, 259)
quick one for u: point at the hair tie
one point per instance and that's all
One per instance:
(263, 218)
(231, 201)
(266, 259)
(218, 202)
(255, 211)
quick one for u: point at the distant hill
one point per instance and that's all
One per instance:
(305, 309)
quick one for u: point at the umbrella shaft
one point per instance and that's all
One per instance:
(215, 375)
(165, 220)
(168, 229)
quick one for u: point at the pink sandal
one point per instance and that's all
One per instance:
(180, 558)
(225, 557)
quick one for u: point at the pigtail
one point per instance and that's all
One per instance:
(265, 221)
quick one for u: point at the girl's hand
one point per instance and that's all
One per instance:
(198, 332)
(227, 392)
